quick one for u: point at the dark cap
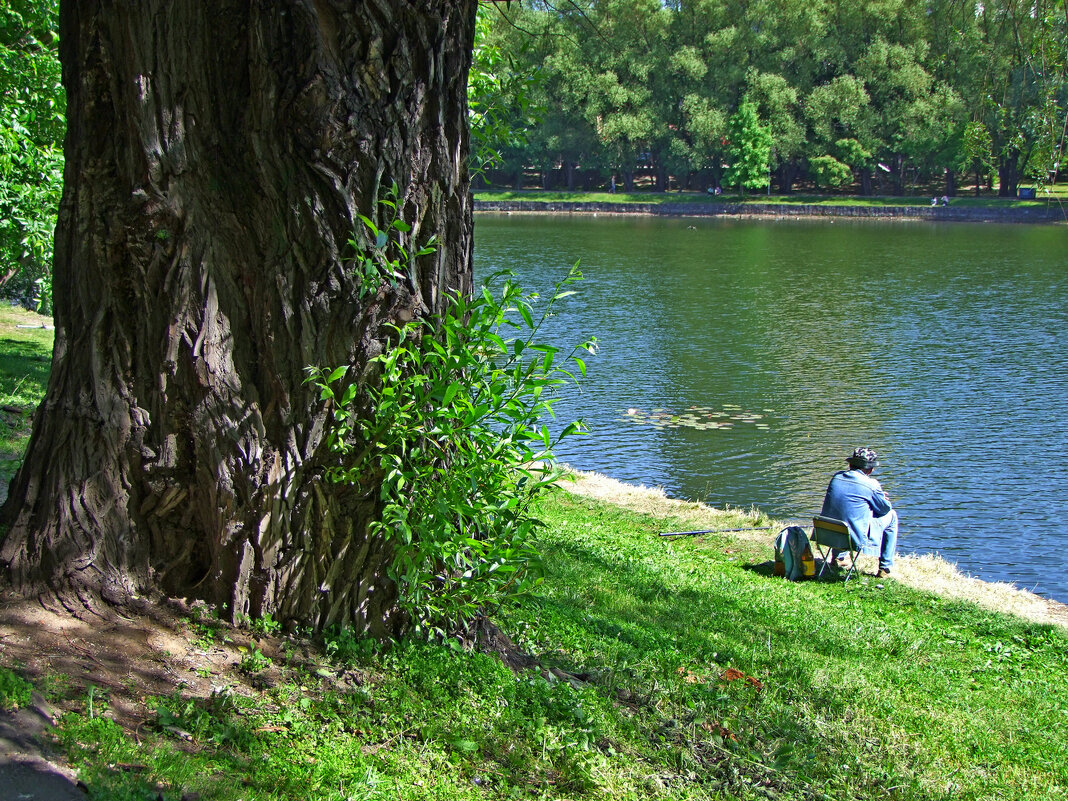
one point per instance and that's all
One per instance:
(863, 459)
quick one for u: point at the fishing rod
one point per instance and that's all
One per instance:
(721, 530)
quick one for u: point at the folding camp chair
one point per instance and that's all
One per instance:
(830, 535)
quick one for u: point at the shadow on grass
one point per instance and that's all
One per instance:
(22, 360)
(832, 575)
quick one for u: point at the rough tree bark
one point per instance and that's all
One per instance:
(217, 157)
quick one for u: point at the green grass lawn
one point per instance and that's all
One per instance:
(675, 669)
(668, 669)
(25, 361)
(1058, 193)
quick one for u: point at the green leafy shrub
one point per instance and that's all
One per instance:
(217, 719)
(389, 256)
(454, 432)
(15, 691)
(343, 646)
(828, 172)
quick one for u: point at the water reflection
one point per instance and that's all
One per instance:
(943, 347)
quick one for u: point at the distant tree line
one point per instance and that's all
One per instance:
(871, 96)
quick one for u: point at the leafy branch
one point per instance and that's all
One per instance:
(456, 434)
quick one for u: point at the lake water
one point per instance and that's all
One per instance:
(943, 347)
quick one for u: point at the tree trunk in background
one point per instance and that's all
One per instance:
(217, 157)
(951, 183)
(866, 182)
(897, 175)
(1008, 174)
(788, 172)
(569, 169)
(661, 178)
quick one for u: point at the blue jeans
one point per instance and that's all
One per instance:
(884, 528)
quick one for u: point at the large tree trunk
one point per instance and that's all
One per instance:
(217, 158)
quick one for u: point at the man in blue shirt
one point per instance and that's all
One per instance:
(859, 500)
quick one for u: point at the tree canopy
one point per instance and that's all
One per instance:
(643, 85)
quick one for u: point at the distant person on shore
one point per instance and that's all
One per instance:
(859, 500)
(613, 189)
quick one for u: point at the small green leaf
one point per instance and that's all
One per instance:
(524, 311)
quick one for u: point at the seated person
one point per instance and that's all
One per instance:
(859, 500)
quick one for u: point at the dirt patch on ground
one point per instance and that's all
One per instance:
(119, 661)
(124, 658)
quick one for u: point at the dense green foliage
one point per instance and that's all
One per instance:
(451, 428)
(748, 148)
(673, 670)
(498, 98)
(32, 124)
(880, 96)
(903, 93)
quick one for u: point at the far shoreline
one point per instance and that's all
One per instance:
(1049, 213)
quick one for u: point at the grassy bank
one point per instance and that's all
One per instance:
(1057, 194)
(665, 668)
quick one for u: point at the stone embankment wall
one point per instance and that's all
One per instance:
(1045, 213)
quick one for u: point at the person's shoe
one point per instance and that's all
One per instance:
(883, 573)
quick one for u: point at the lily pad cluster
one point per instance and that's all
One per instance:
(702, 418)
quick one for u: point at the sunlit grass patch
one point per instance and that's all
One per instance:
(25, 360)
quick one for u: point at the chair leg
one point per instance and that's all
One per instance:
(826, 557)
(852, 572)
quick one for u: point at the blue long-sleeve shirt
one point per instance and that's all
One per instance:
(855, 498)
